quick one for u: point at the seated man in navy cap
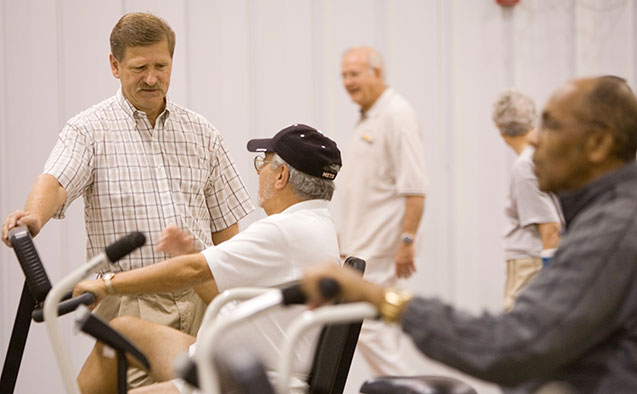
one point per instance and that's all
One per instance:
(295, 184)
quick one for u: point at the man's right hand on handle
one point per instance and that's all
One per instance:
(20, 218)
(46, 196)
(96, 286)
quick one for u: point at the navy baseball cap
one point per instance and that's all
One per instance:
(304, 148)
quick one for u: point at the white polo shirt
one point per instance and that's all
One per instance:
(271, 252)
(383, 162)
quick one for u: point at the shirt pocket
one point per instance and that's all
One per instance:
(189, 172)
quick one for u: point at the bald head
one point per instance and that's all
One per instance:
(588, 128)
(609, 104)
(363, 75)
(369, 56)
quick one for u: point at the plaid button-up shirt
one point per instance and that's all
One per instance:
(136, 178)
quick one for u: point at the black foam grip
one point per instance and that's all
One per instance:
(241, 371)
(329, 288)
(124, 246)
(67, 306)
(189, 372)
(98, 329)
(293, 295)
(36, 277)
(356, 263)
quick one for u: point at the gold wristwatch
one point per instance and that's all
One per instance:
(393, 304)
(107, 282)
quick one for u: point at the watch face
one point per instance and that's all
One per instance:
(407, 238)
(107, 282)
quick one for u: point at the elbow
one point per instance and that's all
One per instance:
(507, 371)
(554, 240)
(497, 373)
(550, 235)
(198, 271)
(504, 376)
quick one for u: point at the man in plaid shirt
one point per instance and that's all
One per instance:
(141, 162)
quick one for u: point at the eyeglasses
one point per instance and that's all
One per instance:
(259, 163)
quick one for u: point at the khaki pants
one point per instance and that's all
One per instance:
(519, 273)
(181, 310)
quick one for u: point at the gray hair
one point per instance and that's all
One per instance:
(307, 187)
(514, 113)
(374, 58)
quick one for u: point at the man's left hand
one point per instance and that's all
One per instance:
(176, 242)
(404, 260)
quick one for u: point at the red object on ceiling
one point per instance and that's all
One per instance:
(507, 3)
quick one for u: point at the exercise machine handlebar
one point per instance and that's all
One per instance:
(67, 305)
(100, 330)
(37, 280)
(208, 340)
(36, 277)
(113, 253)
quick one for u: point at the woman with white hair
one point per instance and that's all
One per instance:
(533, 217)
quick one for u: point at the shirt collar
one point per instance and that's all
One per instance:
(573, 202)
(133, 112)
(529, 150)
(379, 104)
(307, 204)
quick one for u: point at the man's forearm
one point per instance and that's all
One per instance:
(174, 274)
(414, 208)
(404, 258)
(549, 234)
(225, 234)
(46, 197)
(207, 291)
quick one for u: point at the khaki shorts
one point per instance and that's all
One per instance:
(519, 273)
(181, 310)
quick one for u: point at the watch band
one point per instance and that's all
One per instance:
(407, 238)
(393, 304)
(108, 283)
